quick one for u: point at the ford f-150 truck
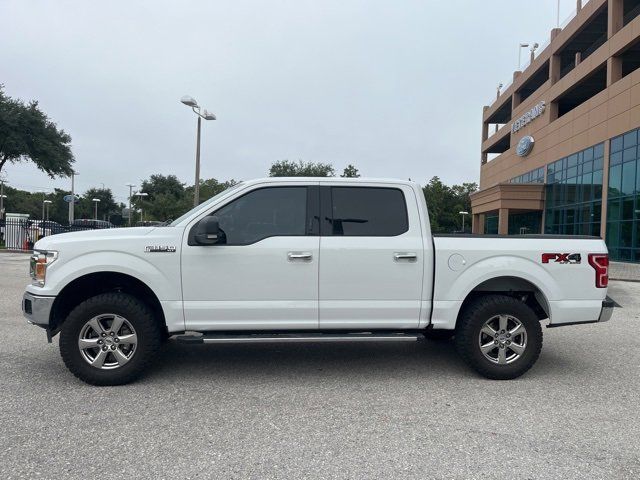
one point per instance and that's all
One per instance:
(308, 259)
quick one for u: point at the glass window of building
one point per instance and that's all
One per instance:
(491, 223)
(574, 193)
(534, 176)
(623, 204)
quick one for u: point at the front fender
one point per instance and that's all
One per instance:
(161, 277)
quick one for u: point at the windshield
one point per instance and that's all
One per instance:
(203, 206)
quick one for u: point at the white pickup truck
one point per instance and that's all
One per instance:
(308, 259)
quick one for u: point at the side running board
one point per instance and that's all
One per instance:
(298, 338)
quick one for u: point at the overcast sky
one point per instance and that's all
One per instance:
(394, 87)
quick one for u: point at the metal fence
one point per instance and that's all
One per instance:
(20, 234)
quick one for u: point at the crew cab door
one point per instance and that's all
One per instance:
(262, 272)
(371, 257)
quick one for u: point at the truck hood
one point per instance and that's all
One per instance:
(96, 237)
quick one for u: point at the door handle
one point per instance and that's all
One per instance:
(301, 256)
(408, 256)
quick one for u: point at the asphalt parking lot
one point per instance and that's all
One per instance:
(323, 410)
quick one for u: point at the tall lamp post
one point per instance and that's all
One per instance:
(72, 203)
(464, 214)
(2, 197)
(130, 185)
(95, 201)
(46, 204)
(191, 102)
(44, 193)
(140, 195)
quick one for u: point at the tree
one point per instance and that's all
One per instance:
(209, 188)
(106, 206)
(59, 209)
(19, 201)
(445, 203)
(286, 168)
(165, 198)
(27, 134)
(350, 172)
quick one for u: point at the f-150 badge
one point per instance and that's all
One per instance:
(561, 257)
(160, 248)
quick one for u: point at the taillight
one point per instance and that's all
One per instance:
(600, 263)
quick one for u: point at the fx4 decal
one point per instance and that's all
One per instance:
(561, 257)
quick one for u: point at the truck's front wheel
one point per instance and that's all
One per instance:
(499, 336)
(109, 339)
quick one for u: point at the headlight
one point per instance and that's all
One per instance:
(40, 260)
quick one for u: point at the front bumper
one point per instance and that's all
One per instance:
(37, 309)
(607, 310)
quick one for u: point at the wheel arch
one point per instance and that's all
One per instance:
(92, 284)
(513, 286)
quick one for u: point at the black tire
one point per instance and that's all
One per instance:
(468, 336)
(439, 335)
(147, 329)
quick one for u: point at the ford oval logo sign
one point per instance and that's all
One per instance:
(525, 145)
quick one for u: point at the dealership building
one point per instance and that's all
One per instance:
(561, 144)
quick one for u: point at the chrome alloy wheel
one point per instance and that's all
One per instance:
(107, 341)
(502, 339)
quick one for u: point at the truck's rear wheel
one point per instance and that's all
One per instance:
(109, 339)
(499, 336)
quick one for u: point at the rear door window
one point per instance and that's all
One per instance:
(366, 212)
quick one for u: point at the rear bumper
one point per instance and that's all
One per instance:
(37, 309)
(607, 310)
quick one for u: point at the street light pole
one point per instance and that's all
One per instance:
(72, 203)
(464, 214)
(2, 197)
(191, 102)
(140, 195)
(130, 185)
(95, 207)
(47, 203)
(43, 200)
(196, 191)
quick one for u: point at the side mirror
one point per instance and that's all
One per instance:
(208, 231)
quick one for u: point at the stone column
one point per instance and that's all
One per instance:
(552, 110)
(503, 221)
(554, 68)
(614, 70)
(485, 135)
(615, 16)
(515, 100)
